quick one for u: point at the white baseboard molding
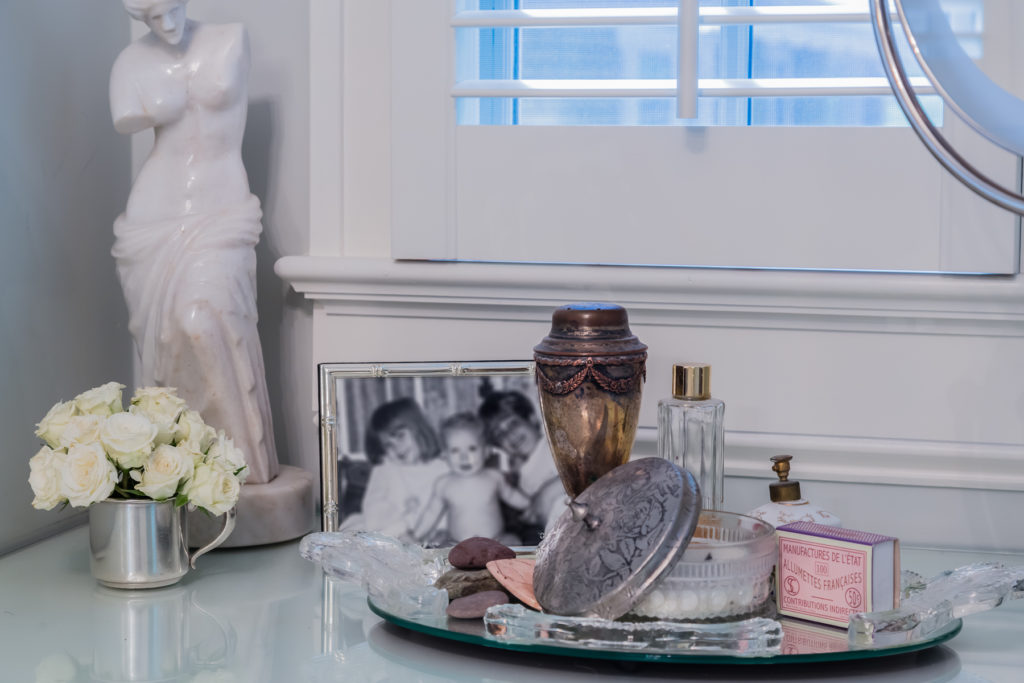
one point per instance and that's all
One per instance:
(847, 459)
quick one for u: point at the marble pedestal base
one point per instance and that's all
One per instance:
(279, 510)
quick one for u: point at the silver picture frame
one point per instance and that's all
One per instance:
(339, 383)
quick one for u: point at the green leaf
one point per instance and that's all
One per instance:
(180, 499)
(129, 493)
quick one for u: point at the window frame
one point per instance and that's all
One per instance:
(440, 211)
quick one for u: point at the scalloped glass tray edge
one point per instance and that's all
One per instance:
(472, 631)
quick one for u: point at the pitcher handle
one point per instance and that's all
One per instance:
(229, 526)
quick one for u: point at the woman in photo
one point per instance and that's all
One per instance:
(513, 426)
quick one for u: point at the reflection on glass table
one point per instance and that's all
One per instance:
(56, 625)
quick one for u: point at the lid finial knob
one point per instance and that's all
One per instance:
(781, 466)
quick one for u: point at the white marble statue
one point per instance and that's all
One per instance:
(185, 245)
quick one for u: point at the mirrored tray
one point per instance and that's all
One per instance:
(802, 642)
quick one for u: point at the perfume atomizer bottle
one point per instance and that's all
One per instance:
(691, 432)
(787, 505)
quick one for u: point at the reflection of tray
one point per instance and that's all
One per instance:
(803, 642)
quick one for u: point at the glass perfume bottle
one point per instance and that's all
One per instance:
(787, 505)
(691, 432)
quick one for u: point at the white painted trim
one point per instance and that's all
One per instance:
(907, 462)
(326, 65)
(422, 131)
(651, 16)
(705, 87)
(921, 304)
(687, 83)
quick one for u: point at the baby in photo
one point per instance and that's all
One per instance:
(469, 492)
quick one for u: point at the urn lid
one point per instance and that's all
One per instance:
(617, 539)
(590, 329)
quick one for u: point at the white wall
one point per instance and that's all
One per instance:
(64, 176)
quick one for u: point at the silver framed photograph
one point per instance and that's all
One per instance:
(434, 453)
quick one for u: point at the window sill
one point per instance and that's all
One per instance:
(916, 303)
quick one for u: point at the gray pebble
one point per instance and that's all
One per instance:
(474, 606)
(476, 552)
(462, 582)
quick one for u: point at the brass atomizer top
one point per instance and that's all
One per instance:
(691, 381)
(783, 490)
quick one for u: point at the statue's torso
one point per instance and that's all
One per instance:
(198, 100)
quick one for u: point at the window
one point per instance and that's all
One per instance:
(490, 164)
(577, 44)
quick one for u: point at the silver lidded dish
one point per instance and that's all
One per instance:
(617, 539)
(636, 542)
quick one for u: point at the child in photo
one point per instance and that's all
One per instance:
(404, 451)
(469, 493)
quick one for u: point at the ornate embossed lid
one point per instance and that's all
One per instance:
(617, 539)
(592, 329)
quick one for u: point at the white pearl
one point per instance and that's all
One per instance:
(689, 600)
(718, 599)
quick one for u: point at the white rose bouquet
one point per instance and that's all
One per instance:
(157, 449)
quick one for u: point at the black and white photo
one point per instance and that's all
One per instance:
(435, 453)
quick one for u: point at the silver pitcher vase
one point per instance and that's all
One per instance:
(143, 543)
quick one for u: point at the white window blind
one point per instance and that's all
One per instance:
(827, 196)
(686, 86)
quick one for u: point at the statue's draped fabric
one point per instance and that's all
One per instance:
(190, 285)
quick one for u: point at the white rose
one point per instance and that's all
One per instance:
(103, 401)
(87, 476)
(81, 429)
(213, 488)
(51, 427)
(167, 467)
(162, 407)
(46, 466)
(197, 457)
(128, 439)
(223, 450)
(193, 433)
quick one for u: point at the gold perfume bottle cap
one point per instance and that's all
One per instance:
(783, 490)
(691, 381)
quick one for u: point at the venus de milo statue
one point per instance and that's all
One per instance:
(185, 245)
